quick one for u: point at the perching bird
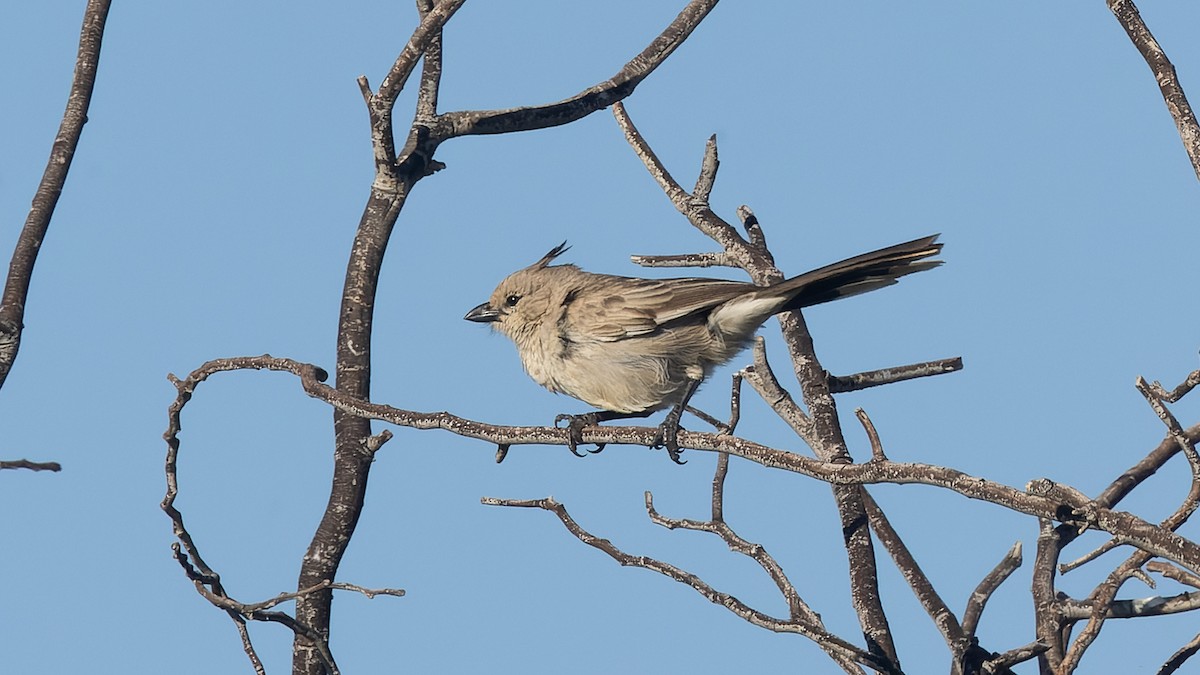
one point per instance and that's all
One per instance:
(631, 346)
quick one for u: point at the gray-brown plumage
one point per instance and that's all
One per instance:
(632, 346)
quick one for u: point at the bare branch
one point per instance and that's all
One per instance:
(20, 269)
(207, 581)
(1191, 382)
(1089, 556)
(1012, 657)
(694, 208)
(1045, 603)
(248, 646)
(1164, 73)
(431, 70)
(947, 624)
(826, 437)
(987, 586)
(429, 30)
(684, 260)
(1178, 658)
(877, 453)
(32, 466)
(708, 170)
(763, 379)
(823, 638)
(1172, 572)
(589, 100)
(754, 231)
(1102, 598)
(1131, 609)
(1042, 502)
(718, 493)
(875, 378)
(798, 609)
(1173, 426)
(395, 176)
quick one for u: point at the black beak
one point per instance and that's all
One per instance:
(483, 314)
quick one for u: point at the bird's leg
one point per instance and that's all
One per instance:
(668, 431)
(576, 423)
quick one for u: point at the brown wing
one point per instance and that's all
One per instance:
(614, 308)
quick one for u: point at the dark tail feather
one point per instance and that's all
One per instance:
(863, 273)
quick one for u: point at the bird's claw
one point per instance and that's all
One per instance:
(667, 437)
(575, 425)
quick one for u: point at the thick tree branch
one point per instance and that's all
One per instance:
(1164, 73)
(944, 619)
(20, 269)
(395, 175)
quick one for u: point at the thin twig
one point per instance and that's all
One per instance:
(877, 454)
(754, 232)
(1151, 394)
(763, 379)
(823, 638)
(684, 260)
(1172, 572)
(840, 384)
(708, 170)
(697, 210)
(247, 645)
(1012, 657)
(987, 587)
(1189, 383)
(798, 610)
(1089, 556)
(1178, 658)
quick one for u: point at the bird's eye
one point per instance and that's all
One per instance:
(512, 300)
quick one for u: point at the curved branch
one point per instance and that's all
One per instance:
(588, 101)
(1044, 499)
(817, 634)
(20, 270)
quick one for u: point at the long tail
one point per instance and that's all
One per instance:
(862, 273)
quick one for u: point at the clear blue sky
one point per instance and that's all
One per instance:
(210, 211)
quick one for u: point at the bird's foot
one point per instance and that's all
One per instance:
(575, 425)
(667, 437)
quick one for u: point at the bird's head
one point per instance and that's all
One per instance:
(519, 303)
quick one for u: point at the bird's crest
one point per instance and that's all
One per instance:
(550, 256)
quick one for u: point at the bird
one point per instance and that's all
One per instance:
(630, 346)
